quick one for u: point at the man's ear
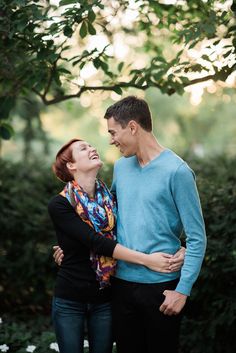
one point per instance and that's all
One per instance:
(133, 125)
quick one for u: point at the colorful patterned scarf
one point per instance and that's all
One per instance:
(99, 213)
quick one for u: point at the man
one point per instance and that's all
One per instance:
(157, 198)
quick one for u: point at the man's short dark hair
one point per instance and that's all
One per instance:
(130, 108)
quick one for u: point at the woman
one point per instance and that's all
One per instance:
(84, 215)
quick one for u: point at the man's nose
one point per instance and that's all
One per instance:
(111, 142)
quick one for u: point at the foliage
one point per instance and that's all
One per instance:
(27, 267)
(38, 55)
(32, 335)
(211, 317)
(26, 237)
(18, 335)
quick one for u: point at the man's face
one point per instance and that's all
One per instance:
(121, 137)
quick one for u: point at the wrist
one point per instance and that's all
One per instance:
(181, 294)
(144, 259)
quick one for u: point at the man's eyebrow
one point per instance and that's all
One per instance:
(111, 130)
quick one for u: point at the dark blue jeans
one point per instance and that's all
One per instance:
(69, 319)
(139, 326)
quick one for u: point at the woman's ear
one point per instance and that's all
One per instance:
(133, 127)
(70, 166)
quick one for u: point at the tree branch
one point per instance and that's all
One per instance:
(220, 75)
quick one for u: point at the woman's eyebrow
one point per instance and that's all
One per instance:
(84, 145)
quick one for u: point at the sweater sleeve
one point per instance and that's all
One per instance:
(68, 222)
(188, 204)
(113, 185)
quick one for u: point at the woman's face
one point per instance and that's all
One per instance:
(85, 157)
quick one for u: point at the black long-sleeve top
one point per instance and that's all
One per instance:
(76, 280)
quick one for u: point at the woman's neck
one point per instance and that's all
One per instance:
(87, 182)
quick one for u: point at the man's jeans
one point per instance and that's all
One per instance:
(139, 326)
(69, 319)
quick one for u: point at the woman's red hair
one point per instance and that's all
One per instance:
(64, 155)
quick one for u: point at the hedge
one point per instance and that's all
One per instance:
(27, 271)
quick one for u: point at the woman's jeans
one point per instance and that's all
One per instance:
(69, 320)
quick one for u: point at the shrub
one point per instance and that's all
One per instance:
(209, 323)
(27, 271)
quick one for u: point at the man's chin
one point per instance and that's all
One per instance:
(127, 154)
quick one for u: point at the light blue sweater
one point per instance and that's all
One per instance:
(155, 203)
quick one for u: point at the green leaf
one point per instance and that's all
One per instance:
(206, 57)
(56, 78)
(118, 90)
(76, 62)
(68, 31)
(232, 29)
(68, 2)
(161, 59)
(158, 76)
(110, 74)
(91, 16)
(104, 66)
(184, 79)
(209, 28)
(216, 41)
(91, 29)
(53, 28)
(82, 65)
(227, 54)
(83, 30)
(193, 44)
(141, 81)
(97, 63)
(6, 131)
(120, 66)
(170, 77)
(179, 89)
(64, 71)
(6, 104)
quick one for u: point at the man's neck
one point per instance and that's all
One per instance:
(148, 149)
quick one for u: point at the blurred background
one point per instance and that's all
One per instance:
(63, 63)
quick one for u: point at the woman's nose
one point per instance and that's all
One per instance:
(93, 149)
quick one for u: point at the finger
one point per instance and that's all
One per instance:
(177, 261)
(168, 312)
(177, 255)
(166, 309)
(162, 308)
(55, 247)
(175, 269)
(56, 253)
(168, 256)
(59, 257)
(177, 264)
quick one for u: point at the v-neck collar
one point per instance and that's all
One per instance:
(152, 160)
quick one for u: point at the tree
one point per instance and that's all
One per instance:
(45, 48)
